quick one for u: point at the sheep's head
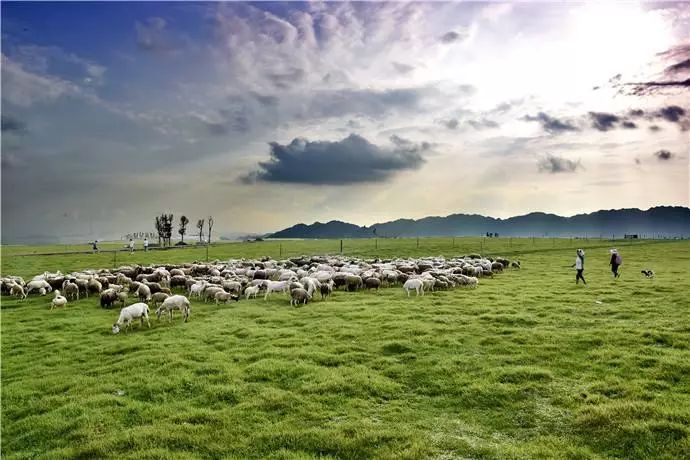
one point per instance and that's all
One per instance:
(116, 328)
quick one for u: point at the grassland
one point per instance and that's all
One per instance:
(529, 365)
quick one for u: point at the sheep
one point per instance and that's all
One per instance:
(138, 310)
(18, 291)
(94, 286)
(122, 296)
(373, 283)
(153, 286)
(83, 285)
(232, 286)
(648, 273)
(414, 283)
(157, 298)
(299, 295)
(211, 291)
(144, 293)
(222, 296)
(276, 286)
(197, 289)
(38, 285)
(175, 302)
(353, 282)
(108, 298)
(42, 291)
(252, 291)
(326, 289)
(515, 264)
(58, 300)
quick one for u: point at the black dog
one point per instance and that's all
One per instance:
(648, 273)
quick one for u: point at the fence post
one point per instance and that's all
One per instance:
(453, 242)
(280, 251)
(207, 245)
(341, 246)
(115, 258)
(417, 241)
(376, 243)
(482, 246)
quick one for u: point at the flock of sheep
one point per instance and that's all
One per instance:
(300, 279)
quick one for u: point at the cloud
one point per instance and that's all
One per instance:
(672, 113)
(482, 123)
(553, 164)
(12, 125)
(451, 123)
(602, 121)
(402, 68)
(454, 36)
(663, 155)
(152, 35)
(348, 161)
(287, 78)
(551, 124)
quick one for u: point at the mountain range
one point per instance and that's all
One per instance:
(660, 221)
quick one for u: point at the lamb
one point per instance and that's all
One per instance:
(58, 300)
(138, 310)
(144, 293)
(175, 302)
(158, 297)
(18, 291)
(299, 295)
(108, 298)
(71, 290)
(222, 296)
(373, 283)
(122, 296)
(414, 283)
(252, 291)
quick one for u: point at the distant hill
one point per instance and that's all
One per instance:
(664, 221)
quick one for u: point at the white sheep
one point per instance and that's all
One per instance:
(58, 300)
(144, 293)
(252, 291)
(138, 310)
(175, 302)
(276, 286)
(414, 283)
(222, 296)
(38, 285)
(18, 291)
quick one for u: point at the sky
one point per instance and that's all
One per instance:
(268, 114)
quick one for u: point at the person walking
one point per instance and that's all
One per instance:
(146, 244)
(131, 246)
(94, 246)
(616, 261)
(580, 266)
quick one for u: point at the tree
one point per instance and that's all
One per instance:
(183, 227)
(167, 227)
(159, 228)
(200, 226)
(210, 226)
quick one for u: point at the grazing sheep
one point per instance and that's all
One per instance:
(122, 296)
(224, 297)
(353, 282)
(252, 291)
(211, 291)
(153, 286)
(157, 298)
(42, 291)
(58, 300)
(108, 298)
(175, 302)
(414, 283)
(144, 293)
(38, 285)
(18, 291)
(496, 267)
(127, 314)
(94, 286)
(515, 264)
(299, 295)
(648, 273)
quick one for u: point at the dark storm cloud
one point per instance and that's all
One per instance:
(453, 36)
(553, 164)
(551, 124)
(663, 155)
(678, 67)
(348, 161)
(603, 121)
(12, 125)
(651, 87)
(672, 113)
(636, 113)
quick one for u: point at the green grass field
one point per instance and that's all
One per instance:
(528, 365)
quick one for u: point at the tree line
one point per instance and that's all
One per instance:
(164, 227)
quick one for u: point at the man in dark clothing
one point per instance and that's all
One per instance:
(615, 262)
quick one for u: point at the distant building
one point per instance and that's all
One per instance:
(632, 236)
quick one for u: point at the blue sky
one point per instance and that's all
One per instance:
(268, 114)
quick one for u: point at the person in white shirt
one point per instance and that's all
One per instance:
(580, 266)
(131, 245)
(146, 244)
